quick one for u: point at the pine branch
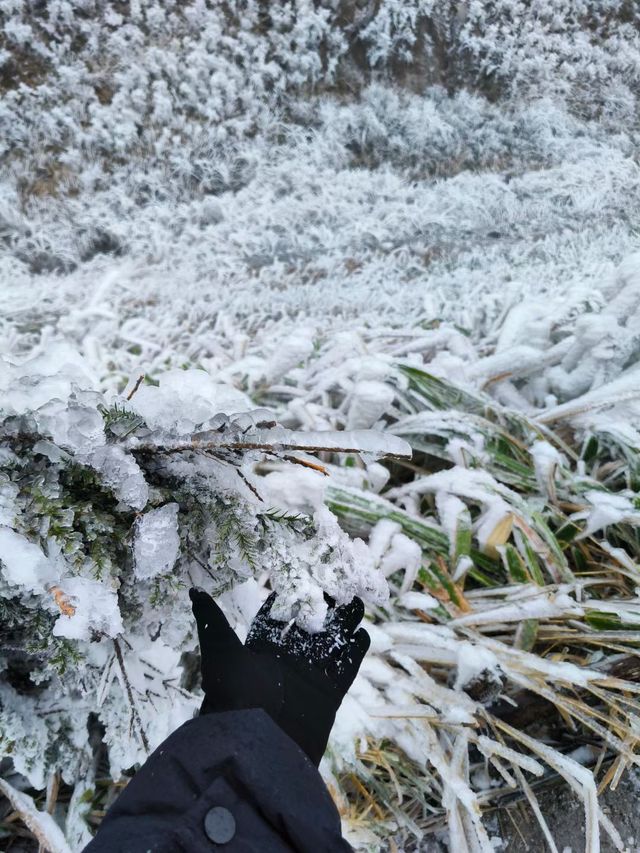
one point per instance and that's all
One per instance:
(120, 420)
(232, 529)
(283, 517)
(279, 440)
(275, 447)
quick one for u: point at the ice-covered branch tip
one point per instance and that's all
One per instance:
(278, 439)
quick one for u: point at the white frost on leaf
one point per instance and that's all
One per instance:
(393, 551)
(418, 601)
(494, 525)
(453, 514)
(463, 566)
(297, 347)
(403, 554)
(530, 602)
(298, 490)
(369, 400)
(546, 459)
(381, 536)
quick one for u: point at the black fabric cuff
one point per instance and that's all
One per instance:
(240, 760)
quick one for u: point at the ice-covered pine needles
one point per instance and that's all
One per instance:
(109, 509)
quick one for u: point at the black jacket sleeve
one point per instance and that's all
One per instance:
(233, 782)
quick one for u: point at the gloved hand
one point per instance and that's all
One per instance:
(299, 679)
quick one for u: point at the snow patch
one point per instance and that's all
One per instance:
(25, 565)
(95, 609)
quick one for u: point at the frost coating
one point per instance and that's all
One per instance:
(547, 459)
(95, 609)
(329, 561)
(243, 435)
(24, 564)
(608, 509)
(369, 401)
(120, 472)
(184, 399)
(8, 494)
(40, 823)
(156, 543)
(417, 601)
(293, 351)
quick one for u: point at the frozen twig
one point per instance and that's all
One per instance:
(41, 824)
(129, 691)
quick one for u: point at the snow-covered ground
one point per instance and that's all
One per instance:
(312, 241)
(295, 198)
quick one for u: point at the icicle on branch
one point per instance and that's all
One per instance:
(280, 440)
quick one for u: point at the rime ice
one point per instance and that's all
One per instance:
(156, 543)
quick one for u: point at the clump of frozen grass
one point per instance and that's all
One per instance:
(111, 84)
(510, 544)
(508, 541)
(132, 147)
(526, 592)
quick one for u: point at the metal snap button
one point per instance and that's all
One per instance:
(219, 825)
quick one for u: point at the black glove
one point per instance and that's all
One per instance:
(299, 679)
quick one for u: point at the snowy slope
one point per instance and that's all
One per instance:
(176, 176)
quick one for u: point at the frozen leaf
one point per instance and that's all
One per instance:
(369, 401)
(121, 473)
(156, 542)
(494, 528)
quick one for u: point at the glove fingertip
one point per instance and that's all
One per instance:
(196, 593)
(268, 602)
(347, 617)
(358, 608)
(264, 613)
(362, 641)
(348, 662)
(213, 628)
(201, 602)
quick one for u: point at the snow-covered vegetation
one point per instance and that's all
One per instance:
(323, 232)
